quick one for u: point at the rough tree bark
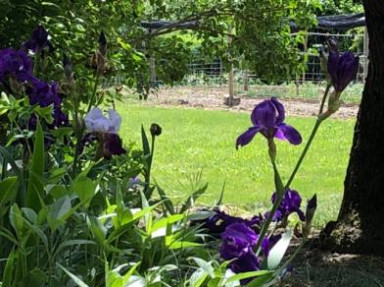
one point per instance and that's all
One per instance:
(360, 224)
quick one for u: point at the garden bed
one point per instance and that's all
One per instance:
(213, 98)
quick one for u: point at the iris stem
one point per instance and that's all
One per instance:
(94, 91)
(147, 187)
(324, 99)
(304, 153)
(279, 197)
(81, 129)
(319, 120)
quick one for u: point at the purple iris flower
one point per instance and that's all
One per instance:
(342, 69)
(38, 40)
(238, 240)
(291, 203)
(268, 119)
(15, 63)
(43, 94)
(218, 222)
(112, 145)
(238, 243)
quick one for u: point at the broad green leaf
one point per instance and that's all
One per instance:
(278, 251)
(163, 222)
(36, 229)
(9, 267)
(35, 190)
(260, 281)
(85, 188)
(197, 278)
(8, 191)
(30, 214)
(183, 244)
(148, 215)
(200, 215)
(16, 220)
(59, 211)
(206, 266)
(75, 279)
(246, 275)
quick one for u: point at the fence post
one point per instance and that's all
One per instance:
(231, 84)
(245, 79)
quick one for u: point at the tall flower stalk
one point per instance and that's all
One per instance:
(341, 70)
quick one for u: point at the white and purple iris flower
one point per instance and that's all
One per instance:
(104, 129)
(268, 119)
(95, 121)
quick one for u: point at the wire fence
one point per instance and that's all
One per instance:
(215, 73)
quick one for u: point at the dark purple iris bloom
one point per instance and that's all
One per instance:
(238, 240)
(112, 145)
(59, 118)
(268, 119)
(291, 203)
(38, 40)
(238, 243)
(15, 63)
(342, 69)
(43, 94)
(220, 221)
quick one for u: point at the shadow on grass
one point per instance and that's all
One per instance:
(318, 268)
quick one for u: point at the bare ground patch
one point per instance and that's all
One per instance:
(213, 98)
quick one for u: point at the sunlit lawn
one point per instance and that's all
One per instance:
(195, 140)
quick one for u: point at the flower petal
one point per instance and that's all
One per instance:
(332, 65)
(95, 121)
(114, 121)
(264, 115)
(300, 213)
(246, 137)
(348, 68)
(286, 132)
(280, 110)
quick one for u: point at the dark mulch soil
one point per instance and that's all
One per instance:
(317, 268)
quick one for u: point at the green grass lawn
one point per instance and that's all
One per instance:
(195, 140)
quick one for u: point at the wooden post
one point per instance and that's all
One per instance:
(245, 79)
(305, 48)
(152, 71)
(231, 84)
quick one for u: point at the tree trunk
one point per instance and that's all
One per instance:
(360, 224)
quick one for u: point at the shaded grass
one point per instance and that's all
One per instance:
(195, 140)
